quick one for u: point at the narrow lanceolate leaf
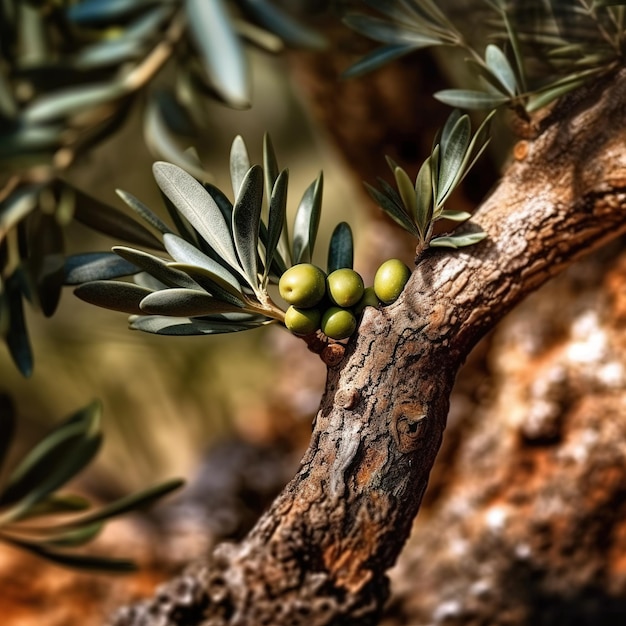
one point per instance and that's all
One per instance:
(74, 538)
(177, 326)
(55, 460)
(455, 216)
(111, 221)
(213, 284)
(393, 209)
(82, 268)
(76, 561)
(277, 218)
(239, 164)
(424, 195)
(452, 156)
(222, 201)
(501, 68)
(17, 338)
(155, 266)
(143, 211)
(163, 143)
(133, 502)
(307, 221)
(222, 53)
(184, 303)
(391, 33)
(288, 29)
(246, 221)
(198, 207)
(406, 190)
(270, 164)
(183, 252)
(70, 101)
(377, 58)
(457, 241)
(341, 248)
(114, 295)
(470, 99)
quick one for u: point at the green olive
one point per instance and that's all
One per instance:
(302, 321)
(338, 323)
(302, 285)
(390, 279)
(345, 287)
(369, 298)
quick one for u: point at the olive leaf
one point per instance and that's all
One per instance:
(307, 222)
(341, 248)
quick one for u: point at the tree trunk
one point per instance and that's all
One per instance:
(319, 556)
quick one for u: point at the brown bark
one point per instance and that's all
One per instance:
(320, 554)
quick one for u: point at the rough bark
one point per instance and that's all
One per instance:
(319, 556)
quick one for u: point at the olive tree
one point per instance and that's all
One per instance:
(321, 553)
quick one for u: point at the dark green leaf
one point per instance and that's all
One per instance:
(46, 263)
(54, 461)
(392, 209)
(211, 29)
(470, 99)
(58, 505)
(82, 268)
(184, 303)
(7, 425)
(548, 95)
(176, 326)
(376, 59)
(17, 339)
(197, 206)
(77, 561)
(457, 241)
(74, 538)
(143, 211)
(277, 218)
(307, 221)
(184, 252)
(341, 248)
(112, 294)
(246, 220)
(30, 142)
(133, 502)
(155, 266)
(111, 221)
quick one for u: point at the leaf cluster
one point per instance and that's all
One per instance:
(540, 49)
(69, 73)
(36, 516)
(223, 254)
(416, 207)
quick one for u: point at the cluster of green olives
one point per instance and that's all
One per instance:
(332, 303)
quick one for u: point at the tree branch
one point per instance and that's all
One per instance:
(319, 555)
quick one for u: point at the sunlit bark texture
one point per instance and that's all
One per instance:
(321, 553)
